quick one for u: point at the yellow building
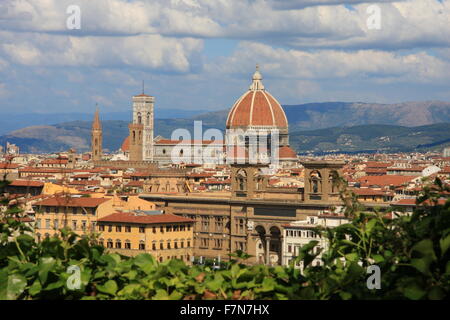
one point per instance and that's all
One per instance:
(77, 213)
(51, 188)
(165, 236)
(80, 213)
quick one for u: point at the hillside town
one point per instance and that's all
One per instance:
(139, 199)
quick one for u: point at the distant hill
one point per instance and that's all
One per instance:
(365, 138)
(372, 138)
(352, 126)
(10, 122)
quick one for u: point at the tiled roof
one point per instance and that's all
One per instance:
(130, 217)
(4, 165)
(385, 180)
(26, 183)
(72, 202)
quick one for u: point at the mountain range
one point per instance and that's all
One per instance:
(314, 127)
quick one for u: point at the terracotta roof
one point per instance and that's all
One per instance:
(72, 202)
(4, 165)
(369, 192)
(131, 217)
(55, 161)
(26, 183)
(385, 180)
(412, 202)
(286, 153)
(126, 144)
(257, 108)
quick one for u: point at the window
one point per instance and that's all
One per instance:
(168, 228)
(83, 225)
(205, 223)
(74, 210)
(74, 224)
(109, 243)
(127, 244)
(188, 244)
(154, 229)
(47, 223)
(55, 224)
(109, 228)
(141, 229)
(161, 229)
(175, 245)
(118, 244)
(161, 245)
(127, 228)
(101, 228)
(168, 245)
(289, 248)
(204, 242)
(219, 224)
(218, 243)
(175, 228)
(153, 246)
(118, 228)
(141, 245)
(93, 224)
(182, 244)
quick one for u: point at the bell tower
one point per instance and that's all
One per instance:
(96, 138)
(136, 141)
(143, 108)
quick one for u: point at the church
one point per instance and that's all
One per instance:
(256, 116)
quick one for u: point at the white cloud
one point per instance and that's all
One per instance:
(145, 51)
(300, 4)
(334, 64)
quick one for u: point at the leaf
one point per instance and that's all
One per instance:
(414, 292)
(45, 265)
(425, 247)
(352, 256)
(445, 244)
(15, 285)
(110, 287)
(370, 225)
(145, 261)
(35, 288)
(214, 285)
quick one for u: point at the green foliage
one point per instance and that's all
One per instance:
(412, 253)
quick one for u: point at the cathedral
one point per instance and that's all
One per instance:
(256, 125)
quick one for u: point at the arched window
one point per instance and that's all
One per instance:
(118, 244)
(315, 179)
(141, 245)
(139, 118)
(148, 118)
(109, 243)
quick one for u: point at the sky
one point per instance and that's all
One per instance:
(201, 54)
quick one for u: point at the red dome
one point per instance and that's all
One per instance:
(257, 107)
(126, 144)
(286, 153)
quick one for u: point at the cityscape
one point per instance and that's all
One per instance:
(257, 198)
